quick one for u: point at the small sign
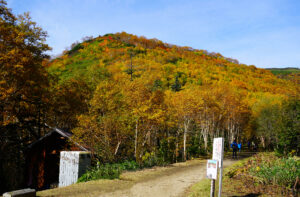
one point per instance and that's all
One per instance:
(212, 169)
(218, 148)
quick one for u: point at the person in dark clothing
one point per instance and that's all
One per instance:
(234, 147)
(254, 146)
(249, 145)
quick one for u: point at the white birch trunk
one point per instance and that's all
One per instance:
(117, 148)
(135, 139)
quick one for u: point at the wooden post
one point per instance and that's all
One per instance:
(212, 188)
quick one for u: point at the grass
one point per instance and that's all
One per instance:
(202, 188)
(91, 188)
(278, 171)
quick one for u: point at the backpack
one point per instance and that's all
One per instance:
(234, 145)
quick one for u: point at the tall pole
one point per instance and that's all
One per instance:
(131, 71)
(221, 169)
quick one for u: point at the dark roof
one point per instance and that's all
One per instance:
(65, 134)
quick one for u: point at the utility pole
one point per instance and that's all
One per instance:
(221, 167)
(131, 70)
(213, 165)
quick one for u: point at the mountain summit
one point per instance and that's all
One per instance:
(130, 57)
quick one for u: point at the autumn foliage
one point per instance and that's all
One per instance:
(152, 97)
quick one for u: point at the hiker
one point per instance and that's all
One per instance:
(249, 145)
(234, 147)
(254, 146)
(240, 146)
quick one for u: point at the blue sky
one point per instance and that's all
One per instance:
(264, 33)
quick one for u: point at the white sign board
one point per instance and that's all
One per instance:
(218, 150)
(72, 165)
(212, 169)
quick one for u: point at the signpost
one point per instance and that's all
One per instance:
(218, 153)
(212, 169)
(218, 149)
(212, 173)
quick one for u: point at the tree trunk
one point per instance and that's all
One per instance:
(205, 140)
(135, 138)
(176, 149)
(184, 145)
(117, 148)
(186, 127)
(263, 141)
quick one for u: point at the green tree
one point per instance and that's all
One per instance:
(176, 86)
(279, 126)
(289, 134)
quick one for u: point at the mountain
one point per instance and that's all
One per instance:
(111, 55)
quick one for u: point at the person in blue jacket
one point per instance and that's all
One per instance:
(240, 146)
(234, 147)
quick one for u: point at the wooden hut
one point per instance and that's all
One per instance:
(43, 156)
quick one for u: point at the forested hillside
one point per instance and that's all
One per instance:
(289, 73)
(284, 71)
(131, 97)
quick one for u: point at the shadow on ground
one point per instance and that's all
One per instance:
(240, 155)
(249, 195)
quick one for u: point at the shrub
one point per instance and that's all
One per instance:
(108, 171)
(75, 49)
(151, 159)
(280, 171)
(130, 165)
(113, 171)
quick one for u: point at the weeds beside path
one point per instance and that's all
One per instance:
(260, 175)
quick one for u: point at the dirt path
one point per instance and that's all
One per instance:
(169, 184)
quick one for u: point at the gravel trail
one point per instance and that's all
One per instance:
(172, 184)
